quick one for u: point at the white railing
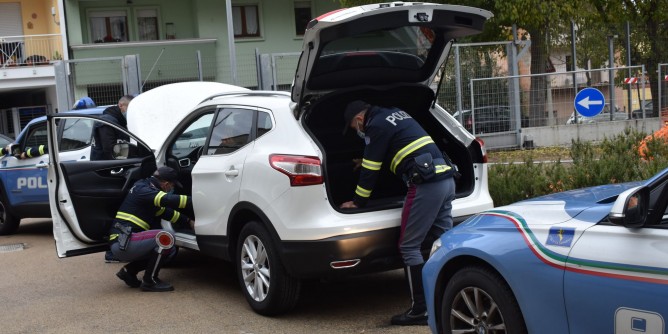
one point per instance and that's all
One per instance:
(30, 50)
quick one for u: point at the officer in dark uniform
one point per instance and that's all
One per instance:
(393, 137)
(148, 201)
(105, 136)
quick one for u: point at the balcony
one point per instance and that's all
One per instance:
(25, 61)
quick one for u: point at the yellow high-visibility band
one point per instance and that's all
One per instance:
(158, 197)
(408, 149)
(371, 165)
(133, 219)
(362, 192)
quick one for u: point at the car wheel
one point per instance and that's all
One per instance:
(477, 300)
(9, 223)
(266, 285)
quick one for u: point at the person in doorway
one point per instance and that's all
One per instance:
(392, 135)
(106, 136)
(149, 201)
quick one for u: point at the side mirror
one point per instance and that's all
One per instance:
(631, 208)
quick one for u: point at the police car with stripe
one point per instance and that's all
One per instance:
(591, 260)
(23, 182)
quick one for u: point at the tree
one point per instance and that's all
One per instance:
(649, 35)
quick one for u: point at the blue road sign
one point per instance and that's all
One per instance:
(589, 102)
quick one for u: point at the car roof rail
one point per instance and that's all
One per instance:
(250, 93)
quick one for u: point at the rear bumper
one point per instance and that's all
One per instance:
(376, 251)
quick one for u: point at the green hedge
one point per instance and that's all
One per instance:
(614, 160)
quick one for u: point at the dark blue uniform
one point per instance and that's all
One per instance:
(396, 141)
(394, 138)
(142, 210)
(146, 205)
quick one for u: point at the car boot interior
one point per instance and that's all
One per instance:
(324, 120)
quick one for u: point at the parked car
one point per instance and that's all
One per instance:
(649, 111)
(23, 189)
(603, 116)
(488, 119)
(583, 261)
(273, 167)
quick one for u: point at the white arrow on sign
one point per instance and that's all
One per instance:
(586, 103)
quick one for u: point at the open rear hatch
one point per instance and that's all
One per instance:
(386, 54)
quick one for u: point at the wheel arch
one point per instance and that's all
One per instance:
(242, 213)
(448, 271)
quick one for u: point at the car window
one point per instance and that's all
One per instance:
(231, 130)
(77, 134)
(263, 123)
(193, 137)
(37, 135)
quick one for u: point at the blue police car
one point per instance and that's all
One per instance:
(23, 182)
(592, 260)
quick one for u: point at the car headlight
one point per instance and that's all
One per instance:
(435, 246)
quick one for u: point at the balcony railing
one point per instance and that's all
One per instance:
(30, 50)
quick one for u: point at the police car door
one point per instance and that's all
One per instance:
(85, 195)
(617, 277)
(219, 171)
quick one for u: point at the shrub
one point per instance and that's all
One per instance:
(614, 160)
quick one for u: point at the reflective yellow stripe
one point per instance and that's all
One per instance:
(442, 168)
(371, 165)
(41, 149)
(362, 192)
(28, 153)
(113, 236)
(161, 211)
(158, 197)
(183, 201)
(408, 149)
(175, 217)
(133, 219)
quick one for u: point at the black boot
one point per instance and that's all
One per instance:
(129, 273)
(151, 281)
(417, 314)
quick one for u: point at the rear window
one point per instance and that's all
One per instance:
(400, 48)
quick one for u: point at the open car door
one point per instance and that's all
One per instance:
(85, 195)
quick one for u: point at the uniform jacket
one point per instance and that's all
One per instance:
(393, 138)
(105, 137)
(146, 205)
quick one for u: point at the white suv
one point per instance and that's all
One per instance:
(268, 170)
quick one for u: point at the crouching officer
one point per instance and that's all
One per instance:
(137, 222)
(393, 137)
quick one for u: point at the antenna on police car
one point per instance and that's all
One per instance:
(151, 71)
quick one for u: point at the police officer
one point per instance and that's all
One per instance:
(148, 201)
(105, 136)
(30, 152)
(394, 138)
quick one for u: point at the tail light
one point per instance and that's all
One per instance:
(482, 149)
(302, 171)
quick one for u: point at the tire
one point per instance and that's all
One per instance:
(266, 285)
(494, 311)
(9, 223)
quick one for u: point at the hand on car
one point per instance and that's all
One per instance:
(348, 205)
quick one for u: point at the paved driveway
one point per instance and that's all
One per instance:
(44, 294)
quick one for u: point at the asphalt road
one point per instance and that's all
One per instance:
(41, 293)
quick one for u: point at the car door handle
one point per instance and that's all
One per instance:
(116, 172)
(232, 172)
(42, 165)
